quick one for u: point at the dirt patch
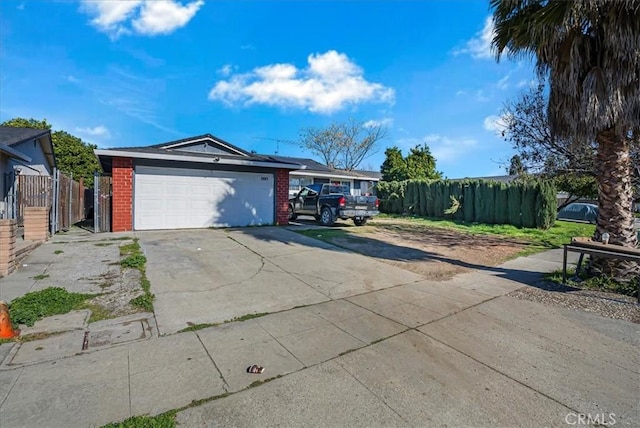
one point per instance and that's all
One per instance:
(436, 253)
(116, 298)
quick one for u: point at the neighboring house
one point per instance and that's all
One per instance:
(358, 182)
(196, 182)
(23, 151)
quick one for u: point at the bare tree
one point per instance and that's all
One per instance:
(540, 151)
(343, 145)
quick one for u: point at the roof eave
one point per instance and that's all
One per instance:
(13, 153)
(331, 175)
(196, 159)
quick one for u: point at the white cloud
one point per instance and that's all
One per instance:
(461, 92)
(164, 16)
(387, 121)
(148, 17)
(503, 83)
(110, 15)
(96, 131)
(496, 124)
(225, 70)
(480, 45)
(444, 149)
(329, 82)
(72, 79)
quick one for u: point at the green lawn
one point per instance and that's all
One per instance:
(561, 233)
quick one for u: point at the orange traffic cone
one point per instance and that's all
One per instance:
(6, 328)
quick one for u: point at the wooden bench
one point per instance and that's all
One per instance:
(595, 248)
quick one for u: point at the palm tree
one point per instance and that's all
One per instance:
(589, 50)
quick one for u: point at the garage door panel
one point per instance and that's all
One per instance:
(176, 198)
(150, 204)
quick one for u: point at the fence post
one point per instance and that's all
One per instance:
(70, 214)
(96, 200)
(57, 196)
(54, 203)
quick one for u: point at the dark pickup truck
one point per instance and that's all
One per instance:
(328, 202)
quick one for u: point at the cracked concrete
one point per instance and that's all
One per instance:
(412, 353)
(211, 276)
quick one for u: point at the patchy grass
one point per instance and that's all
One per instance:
(41, 276)
(260, 382)
(248, 317)
(36, 305)
(196, 327)
(98, 313)
(135, 259)
(143, 301)
(164, 420)
(539, 240)
(58, 252)
(38, 336)
(130, 249)
(104, 244)
(599, 283)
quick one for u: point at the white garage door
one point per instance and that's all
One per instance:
(172, 198)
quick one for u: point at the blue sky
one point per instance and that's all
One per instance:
(139, 72)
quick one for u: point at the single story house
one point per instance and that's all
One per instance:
(359, 182)
(204, 181)
(23, 151)
(196, 182)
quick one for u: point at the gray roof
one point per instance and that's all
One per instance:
(196, 138)
(311, 164)
(315, 166)
(156, 149)
(10, 135)
(172, 148)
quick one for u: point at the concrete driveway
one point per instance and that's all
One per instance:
(211, 276)
(374, 345)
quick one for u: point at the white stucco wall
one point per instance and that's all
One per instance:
(33, 149)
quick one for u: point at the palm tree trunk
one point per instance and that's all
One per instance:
(615, 199)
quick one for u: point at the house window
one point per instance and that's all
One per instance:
(296, 184)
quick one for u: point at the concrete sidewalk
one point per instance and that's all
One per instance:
(458, 353)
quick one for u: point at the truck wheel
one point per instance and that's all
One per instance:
(292, 215)
(326, 217)
(360, 222)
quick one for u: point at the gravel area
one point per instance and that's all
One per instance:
(610, 305)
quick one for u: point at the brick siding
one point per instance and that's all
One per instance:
(8, 232)
(122, 201)
(36, 223)
(282, 197)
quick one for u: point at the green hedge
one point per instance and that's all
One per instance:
(530, 203)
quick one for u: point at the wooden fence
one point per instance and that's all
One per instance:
(33, 191)
(70, 202)
(102, 203)
(60, 193)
